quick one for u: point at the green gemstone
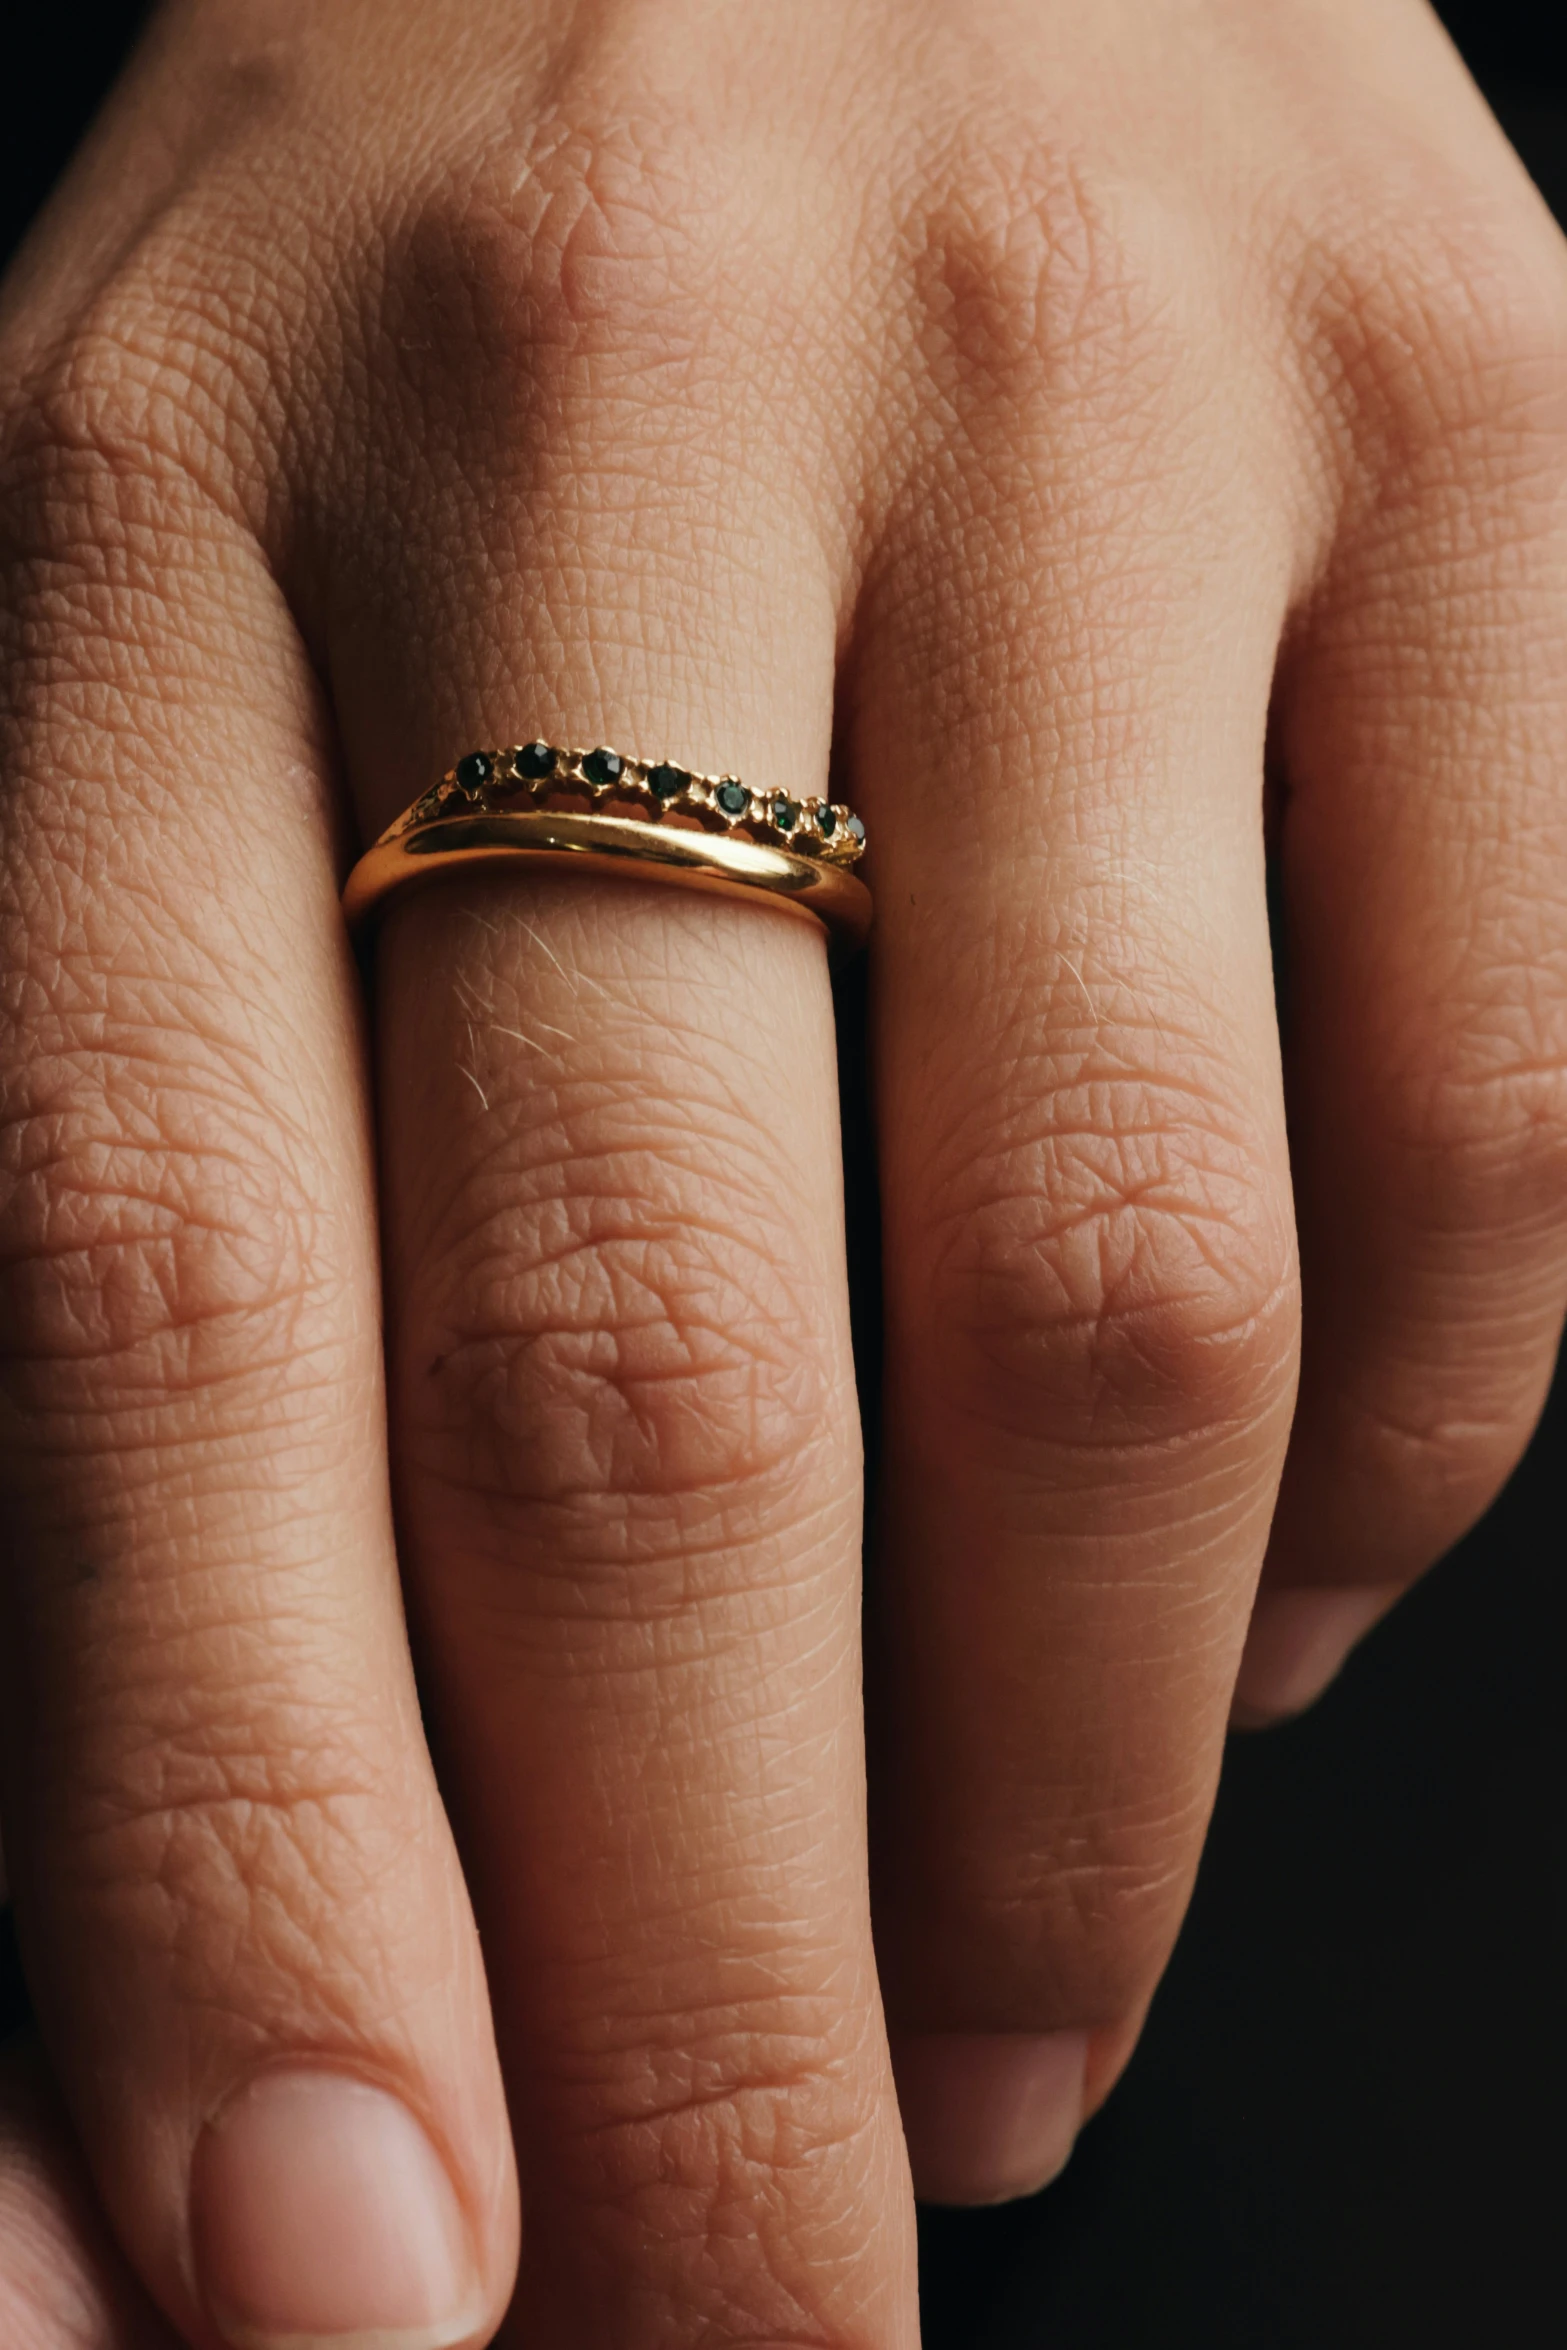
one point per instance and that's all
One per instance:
(472, 773)
(733, 798)
(786, 813)
(666, 782)
(603, 767)
(826, 822)
(533, 762)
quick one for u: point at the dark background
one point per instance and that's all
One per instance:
(1341, 2131)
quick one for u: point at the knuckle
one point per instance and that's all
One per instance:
(153, 1233)
(1447, 326)
(614, 247)
(228, 1829)
(145, 385)
(626, 234)
(595, 1345)
(112, 507)
(95, 398)
(1495, 312)
(246, 1806)
(760, 2118)
(1128, 1280)
(1072, 1924)
(67, 517)
(1480, 1121)
(1039, 273)
(1445, 1458)
(678, 2083)
(1104, 1930)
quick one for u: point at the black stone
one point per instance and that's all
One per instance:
(666, 782)
(855, 829)
(602, 767)
(733, 798)
(472, 773)
(533, 762)
(786, 813)
(826, 822)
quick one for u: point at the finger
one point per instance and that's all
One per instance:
(1091, 1305)
(240, 1910)
(64, 2284)
(630, 1487)
(629, 1479)
(1423, 850)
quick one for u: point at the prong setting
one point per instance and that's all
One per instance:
(535, 772)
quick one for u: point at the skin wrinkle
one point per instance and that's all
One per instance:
(264, 1901)
(569, 1172)
(601, 1536)
(770, 1988)
(1144, 1545)
(188, 1303)
(682, 1651)
(710, 2041)
(1156, 1351)
(218, 1625)
(173, 1469)
(624, 1265)
(201, 1624)
(653, 1552)
(258, 1418)
(721, 2117)
(64, 2285)
(176, 1201)
(762, 2119)
(621, 1429)
(659, 1992)
(621, 1264)
(110, 414)
(1010, 423)
(1468, 336)
(710, 2068)
(90, 1045)
(1123, 1097)
(636, 285)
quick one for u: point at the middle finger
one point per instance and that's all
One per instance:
(1090, 1266)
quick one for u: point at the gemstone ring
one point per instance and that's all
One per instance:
(706, 832)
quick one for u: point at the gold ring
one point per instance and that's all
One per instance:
(708, 832)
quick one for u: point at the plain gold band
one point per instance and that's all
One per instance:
(559, 840)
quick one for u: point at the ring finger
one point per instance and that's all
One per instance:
(625, 1432)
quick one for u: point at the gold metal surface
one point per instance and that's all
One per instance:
(472, 820)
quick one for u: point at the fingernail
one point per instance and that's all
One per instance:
(989, 2115)
(1297, 1644)
(324, 2219)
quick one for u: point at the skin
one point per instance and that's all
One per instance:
(1128, 443)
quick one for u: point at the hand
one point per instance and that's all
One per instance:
(63, 2284)
(1027, 409)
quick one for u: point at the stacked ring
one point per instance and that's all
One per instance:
(707, 832)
